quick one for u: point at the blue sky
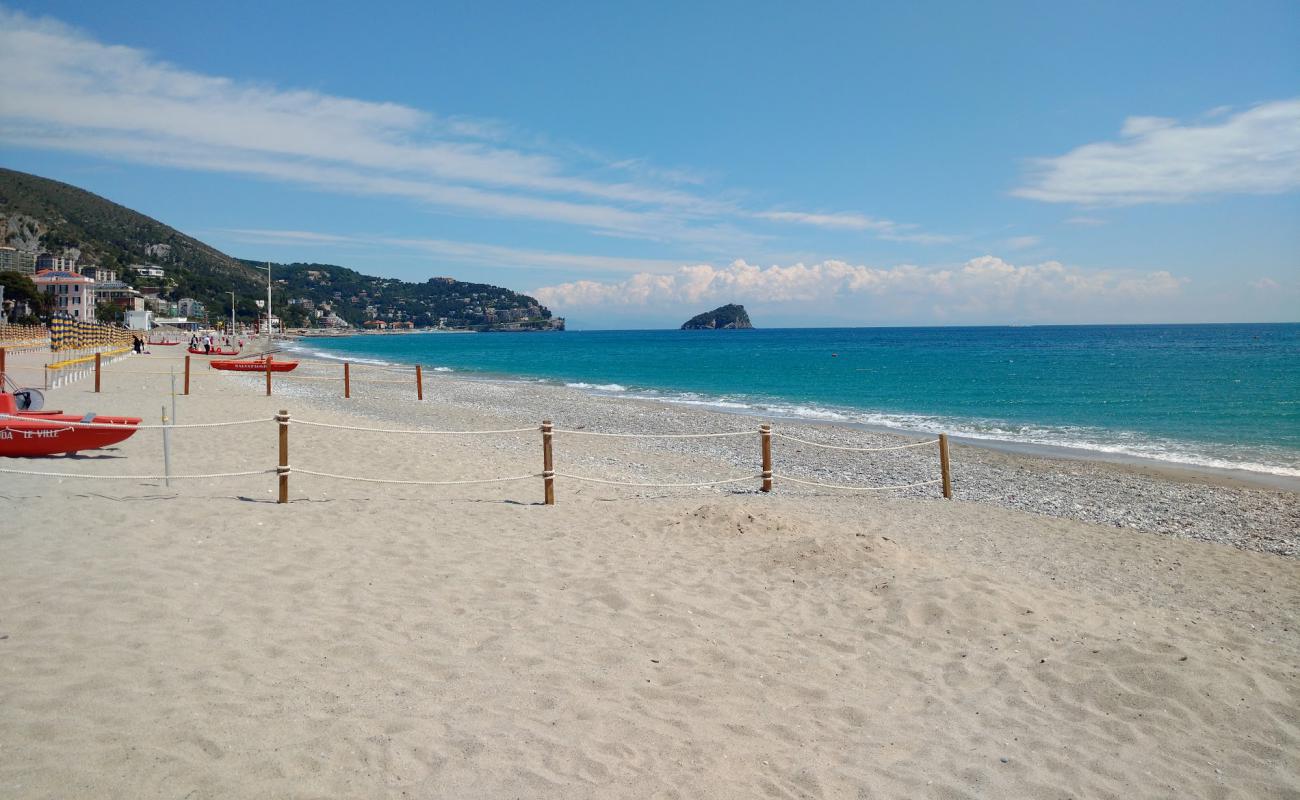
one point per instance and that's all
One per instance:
(828, 164)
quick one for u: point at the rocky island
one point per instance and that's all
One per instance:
(729, 316)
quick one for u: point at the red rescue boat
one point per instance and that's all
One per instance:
(25, 434)
(255, 365)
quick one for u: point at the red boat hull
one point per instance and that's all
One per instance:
(256, 365)
(42, 434)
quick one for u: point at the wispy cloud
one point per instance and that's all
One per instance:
(982, 287)
(1085, 221)
(857, 222)
(1158, 160)
(456, 251)
(1022, 242)
(63, 89)
(884, 228)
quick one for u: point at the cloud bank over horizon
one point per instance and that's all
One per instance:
(981, 289)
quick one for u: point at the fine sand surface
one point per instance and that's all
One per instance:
(381, 640)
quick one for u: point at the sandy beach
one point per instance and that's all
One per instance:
(1061, 629)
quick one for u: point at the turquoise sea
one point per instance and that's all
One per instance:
(1225, 396)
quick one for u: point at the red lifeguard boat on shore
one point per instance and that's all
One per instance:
(255, 365)
(25, 434)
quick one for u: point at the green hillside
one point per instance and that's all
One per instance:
(48, 216)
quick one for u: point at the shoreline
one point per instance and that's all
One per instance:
(1154, 498)
(1181, 470)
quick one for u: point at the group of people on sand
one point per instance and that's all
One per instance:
(207, 342)
(137, 344)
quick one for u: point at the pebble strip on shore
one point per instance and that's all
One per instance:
(1260, 519)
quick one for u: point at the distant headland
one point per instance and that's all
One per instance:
(729, 316)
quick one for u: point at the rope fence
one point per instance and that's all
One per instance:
(549, 474)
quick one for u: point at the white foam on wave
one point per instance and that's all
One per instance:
(376, 362)
(1126, 444)
(1119, 443)
(599, 387)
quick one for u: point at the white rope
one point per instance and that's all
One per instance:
(297, 471)
(655, 435)
(117, 426)
(398, 430)
(656, 485)
(857, 488)
(139, 477)
(856, 449)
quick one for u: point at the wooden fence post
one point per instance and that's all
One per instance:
(98, 366)
(283, 468)
(419, 383)
(347, 379)
(548, 463)
(187, 376)
(943, 466)
(268, 374)
(765, 434)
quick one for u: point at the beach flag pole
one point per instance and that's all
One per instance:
(943, 466)
(268, 374)
(548, 463)
(765, 436)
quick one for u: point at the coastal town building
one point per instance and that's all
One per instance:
(119, 294)
(189, 307)
(69, 292)
(14, 260)
(100, 274)
(149, 270)
(49, 261)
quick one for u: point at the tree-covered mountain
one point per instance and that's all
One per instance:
(438, 302)
(46, 216)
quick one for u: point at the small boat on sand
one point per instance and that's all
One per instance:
(24, 434)
(255, 365)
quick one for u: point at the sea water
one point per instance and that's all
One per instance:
(1225, 396)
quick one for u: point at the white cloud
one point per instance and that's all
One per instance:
(1265, 285)
(980, 288)
(456, 251)
(1158, 160)
(1088, 221)
(64, 90)
(885, 229)
(1022, 242)
(857, 222)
